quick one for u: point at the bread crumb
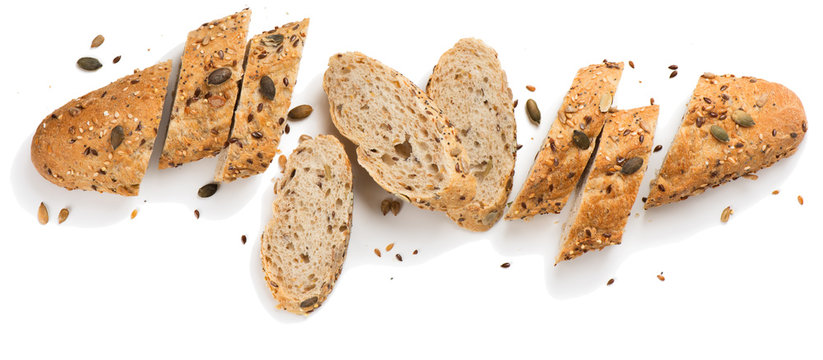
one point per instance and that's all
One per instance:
(631, 64)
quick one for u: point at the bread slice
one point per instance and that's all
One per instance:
(559, 164)
(258, 120)
(697, 161)
(470, 86)
(304, 244)
(604, 199)
(102, 141)
(403, 140)
(210, 73)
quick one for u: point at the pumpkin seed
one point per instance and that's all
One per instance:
(207, 190)
(724, 217)
(300, 112)
(719, 133)
(274, 40)
(89, 63)
(631, 166)
(117, 136)
(43, 214)
(532, 111)
(219, 76)
(308, 302)
(581, 140)
(605, 102)
(98, 40)
(64, 214)
(267, 89)
(742, 118)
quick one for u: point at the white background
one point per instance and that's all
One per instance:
(166, 285)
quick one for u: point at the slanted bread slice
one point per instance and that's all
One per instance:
(102, 141)
(273, 60)
(403, 140)
(697, 160)
(470, 86)
(304, 244)
(604, 199)
(559, 164)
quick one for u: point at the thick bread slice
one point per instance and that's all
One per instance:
(559, 164)
(604, 200)
(470, 86)
(697, 161)
(305, 242)
(202, 112)
(74, 146)
(404, 141)
(259, 121)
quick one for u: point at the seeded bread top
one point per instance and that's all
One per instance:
(102, 141)
(560, 161)
(774, 124)
(210, 72)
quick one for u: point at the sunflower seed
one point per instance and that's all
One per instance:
(724, 217)
(89, 63)
(605, 102)
(300, 112)
(207, 190)
(580, 140)
(219, 76)
(719, 133)
(532, 111)
(308, 302)
(98, 40)
(117, 137)
(42, 214)
(267, 89)
(63, 215)
(761, 101)
(742, 118)
(631, 166)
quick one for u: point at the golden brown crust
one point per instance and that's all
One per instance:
(559, 164)
(258, 121)
(202, 112)
(73, 147)
(697, 161)
(608, 193)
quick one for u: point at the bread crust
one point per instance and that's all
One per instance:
(601, 212)
(72, 146)
(697, 161)
(258, 121)
(559, 163)
(201, 116)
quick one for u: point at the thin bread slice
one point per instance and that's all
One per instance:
(304, 244)
(403, 140)
(103, 140)
(604, 199)
(470, 86)
(763, 122)
(270, 76)
(210, 73)
(569, 143)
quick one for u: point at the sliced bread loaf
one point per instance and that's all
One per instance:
(102, 141)
(270, 76)
(403, 140)
(210, 73)
(304, 244)
(470, 86)
(569, 144)
(733, 127)
(604, 199)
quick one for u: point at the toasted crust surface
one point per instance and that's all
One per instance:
(697, 161)
(602, 208)
(470, 86)
(304, 245)
(73, 146)
(202, 112)
(258, 121)
(559, 163)
(403, 139)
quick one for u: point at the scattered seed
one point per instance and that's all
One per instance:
(660, 277)
(631, 165)
(267, 89)
(775, 192)
(631, 64)
(800, 199)
(724, 216)
(611, 281)
(399, 258)
(89, 63)
(42, 214)
(243, 239)
(116, 137)
(309, 302)
(719, 133)
(581, 140)
(533, 111)
(385, 206)
(116, 59)
(282, 162)
(219, 76)
(672, 67)
(414, 252)
(377, 252)
(196, 214)
(389, 247)
(529, 87)
(63, 215)
(207, 190)
(658, 148)
(134, 213)
(651, 101)
(505, 265)
(287, 129)
(742, 118)
(300, 112)
(97, 41)
(605, 102)
(673, 74)
(514, 104)
(395, 207)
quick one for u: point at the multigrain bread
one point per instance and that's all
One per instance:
(403, 140)
(270, 76)
(560, 162)
(697, 160)
(604, 199)
(304, 244)
(470, 87)
(102, 141)
(211, 70)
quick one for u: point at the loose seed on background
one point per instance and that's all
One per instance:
(196, 214)
(243, 239)
(775, 192)
(377, 252)
(389, 247)
(611, 281)
(533, 111)
(116, 59)
(505, 265)
(282, 162)
(672, 67)
(399, 258)
(673, 74)
(89, 63)
(724, 216)
(385, 206)
(63, 215)
(97, 41)
(414, 252)
(631, 64)
(42, 214)
(300, 112)
(207, 190)
(651, 101)
(134, 213)
(530, 88)
(660, 277)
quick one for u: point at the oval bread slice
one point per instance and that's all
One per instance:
(304, 244)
